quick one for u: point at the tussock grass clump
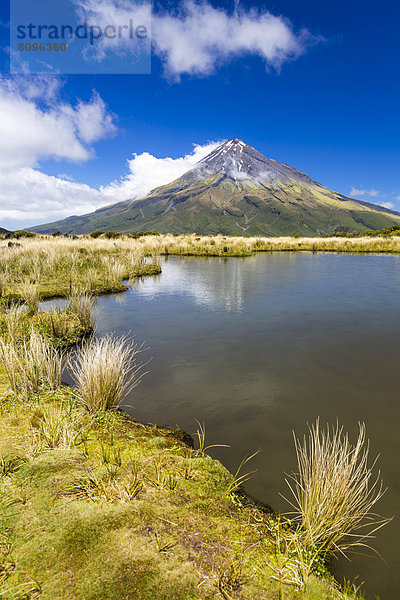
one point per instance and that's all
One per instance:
(52, 428)
(12, 364)
(31, 364)
(105, 370)
(82, 304)
(59, 327)
(92, 280)
(30, 294)
(3, 283)
(45, 359)
(335, 491)
(115, 271)
(13, 320)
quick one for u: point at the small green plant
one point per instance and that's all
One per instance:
(82, 439)
(232, 576)
(187, 470)
(164, 476)
(201, 437)
(112, 471)
(158, 479)
(110, 454)
(10, 462)
(89, 485)
(54, 428)
(238, 479)
(131, 488)
(171, 480)
(163, 545)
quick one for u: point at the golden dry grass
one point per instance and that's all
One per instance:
(335, 490)
(105, 370)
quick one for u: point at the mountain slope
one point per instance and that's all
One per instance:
(236, 190)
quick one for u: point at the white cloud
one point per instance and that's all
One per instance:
(91, 120)
(360, 192)
(35, 124)
(147, 172)
(29, 196)
(197, 37)
(115, 14)
(390, 205)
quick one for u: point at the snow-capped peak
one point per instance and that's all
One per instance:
(238, 160)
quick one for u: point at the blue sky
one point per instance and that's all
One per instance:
(332, 112)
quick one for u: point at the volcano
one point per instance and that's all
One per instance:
(235, 190)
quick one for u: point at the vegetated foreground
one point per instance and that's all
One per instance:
(97, 506)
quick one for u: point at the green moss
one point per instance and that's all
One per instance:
(182, 536)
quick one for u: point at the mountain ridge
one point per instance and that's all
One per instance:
(235, 190)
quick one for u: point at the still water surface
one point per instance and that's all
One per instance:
(259, 346)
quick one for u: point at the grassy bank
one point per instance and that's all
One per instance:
(46, 267)
(95, 506)
(63, 328)
(100, 507)
(192, 245)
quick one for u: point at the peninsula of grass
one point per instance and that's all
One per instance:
(38, 268)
